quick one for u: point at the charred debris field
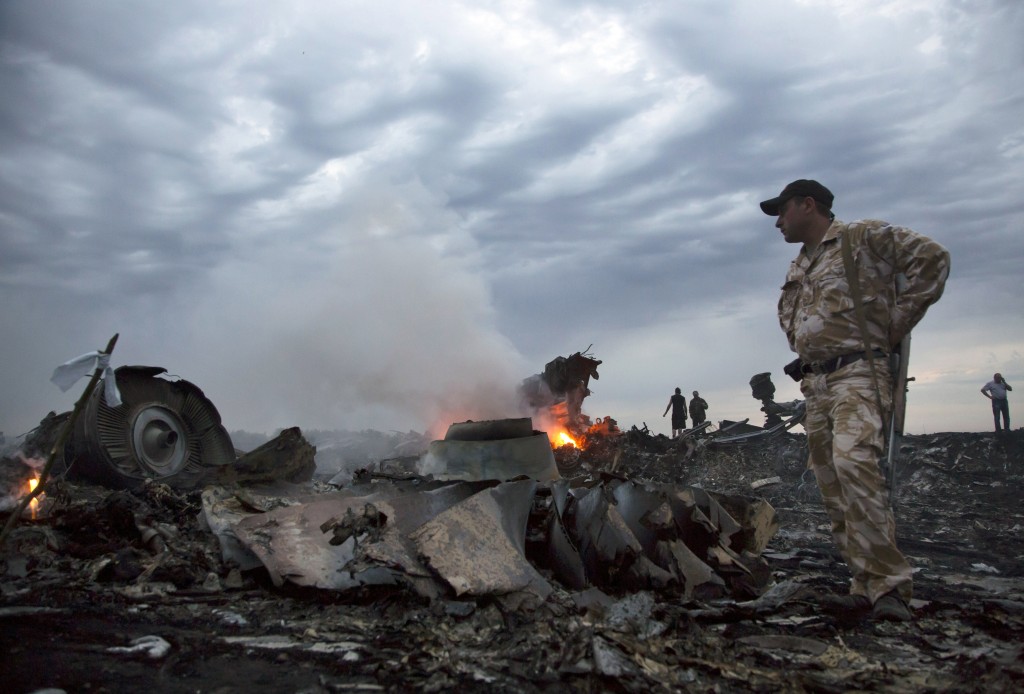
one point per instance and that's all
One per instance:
(111, 590)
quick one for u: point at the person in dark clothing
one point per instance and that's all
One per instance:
(677, 403)
(698, 408)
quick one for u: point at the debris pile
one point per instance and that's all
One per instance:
(396, 581)
(509, 540)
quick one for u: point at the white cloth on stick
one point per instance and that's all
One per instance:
(68, 373)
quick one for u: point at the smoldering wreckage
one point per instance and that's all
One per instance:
(498, 558)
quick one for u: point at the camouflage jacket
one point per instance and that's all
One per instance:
(816, 310)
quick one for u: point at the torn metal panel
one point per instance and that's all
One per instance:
(561, 554)
(697, 578)
(490, 430)
(478, 546)
(644, 573)
(496, 459)
(727, 426)
(221, 512)
(725, 559)
(693, 526)
(634, 503)
(293, 546)
(748, 436)
(709, 512)
(650, 513)
(618, 535)
(288, 456)
(610, 526)
(561, 376)
(694, 431)
(394, 548)
(757, 518)
(224, 508)
(421, 505)
(606, 543)
(745, 573)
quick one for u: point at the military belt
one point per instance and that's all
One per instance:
(829, 365)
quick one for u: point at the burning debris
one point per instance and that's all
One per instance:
(608, 533)
(491, 450)
(609, 564)
(557, 395)
(555, 399)
(445, 534)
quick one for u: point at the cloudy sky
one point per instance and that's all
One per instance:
(349, 214)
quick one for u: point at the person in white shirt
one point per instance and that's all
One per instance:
(995, 390)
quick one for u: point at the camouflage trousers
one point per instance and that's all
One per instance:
(846, 440)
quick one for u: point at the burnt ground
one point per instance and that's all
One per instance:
(78, 588)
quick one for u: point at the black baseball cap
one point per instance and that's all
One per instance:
(803, 188)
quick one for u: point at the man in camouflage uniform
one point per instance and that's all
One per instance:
(848, 408)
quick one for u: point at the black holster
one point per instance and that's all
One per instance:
(794, 370)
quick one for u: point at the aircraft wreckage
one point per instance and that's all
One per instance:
(160, 555)
(493, 515)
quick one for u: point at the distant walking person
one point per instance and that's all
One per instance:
(995, 390)
(698, 408)
(678, 405)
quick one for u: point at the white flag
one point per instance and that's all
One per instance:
(69, 372)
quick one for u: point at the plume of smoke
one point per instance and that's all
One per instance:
(382, 321)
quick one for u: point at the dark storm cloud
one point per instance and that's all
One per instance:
(384, 213)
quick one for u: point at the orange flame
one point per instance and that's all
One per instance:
(34, 504)
(562, 438)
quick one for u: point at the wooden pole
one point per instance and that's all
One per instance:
(58, 446)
